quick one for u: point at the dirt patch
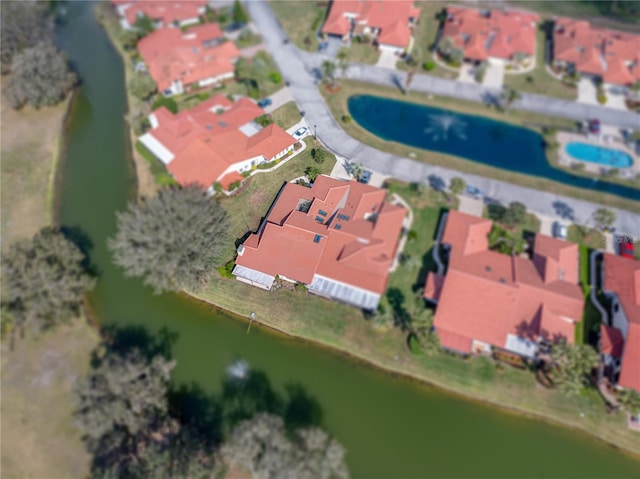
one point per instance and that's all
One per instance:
(30, 140)
(38, 432)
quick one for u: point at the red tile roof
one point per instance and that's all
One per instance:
(227, 180)
(357, 251)
(162, 11)
(610, 54)
(487, 295)
(206, 140)
(189, 57)
(499, 34)
(622, 276)
(612, 341)
(390, 16)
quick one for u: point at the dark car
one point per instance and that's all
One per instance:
(235, 26)
(366, 176)
(323, 46)
(594, 126)
(625, 246)
(265, 102)
(473, 192)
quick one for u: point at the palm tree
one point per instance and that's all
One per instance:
(329, 69)
(507, 96)
(410, 74)
(629, 399)
(574, 363)
(457, 185)
(355, 169)
(343, 61)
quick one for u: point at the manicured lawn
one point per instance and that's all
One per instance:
(338, 105)
(361, 53)
(159, 171)
(539, 80)
(301, 20)
(248, 39)
(287, 115)
(592, 240)
(252, 202)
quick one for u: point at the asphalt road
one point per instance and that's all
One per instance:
(301, 70)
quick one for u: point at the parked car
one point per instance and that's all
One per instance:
(265, 102)
(300, 132)
(559, 230)
(625, 246)
(235, 27)
(323, 46)
(473, 192)
(594, 126)
(366, 176)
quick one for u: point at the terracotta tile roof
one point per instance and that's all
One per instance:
(597, 51)
(390, 16)
(487, 296)
(230, 178)
(207, 139)
(189, 57)
(165, 12)
(323, 231)
(500, 34)
(622, 276)
(612, 341)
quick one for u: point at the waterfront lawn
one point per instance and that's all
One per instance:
(287, 115)
(253, 200)
(159, 171)
(301, 20)
(39, 438)
(337, 103)
(361, 53)
(539, 80)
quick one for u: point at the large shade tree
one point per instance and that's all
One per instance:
(172, 240)
(604, 218)
(43, 281)
(573, 363)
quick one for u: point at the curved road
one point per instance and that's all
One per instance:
(300, 69)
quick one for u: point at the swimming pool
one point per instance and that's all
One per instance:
(599, 154)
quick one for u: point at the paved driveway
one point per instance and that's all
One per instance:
(279, 98)
(471, 206)
(466, 73)
(615, 98)
(587, 92)
(387, 59)
(494, 76)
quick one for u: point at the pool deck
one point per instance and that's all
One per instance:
(609, 138)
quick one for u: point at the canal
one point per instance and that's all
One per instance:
(392, 428)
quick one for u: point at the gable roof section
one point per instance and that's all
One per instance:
(344, 231)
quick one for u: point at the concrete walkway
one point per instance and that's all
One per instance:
(302, 71)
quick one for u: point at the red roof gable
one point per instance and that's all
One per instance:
(612, 341)
(487, 295)
(357, 251)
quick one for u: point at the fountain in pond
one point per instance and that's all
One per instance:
(238, 369)
(441, 126)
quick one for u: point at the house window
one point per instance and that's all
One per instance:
(322, 213)
(616, 308)
(338, 226)
(317, 238)
(343, 217)
(319, 219)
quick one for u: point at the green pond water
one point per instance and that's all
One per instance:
(391, 427)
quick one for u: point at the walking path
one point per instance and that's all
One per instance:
(302, 71)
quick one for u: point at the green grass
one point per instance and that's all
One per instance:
(248, 40)
(593, 238)
(539, 80)
(361, 53)
(287, 115)
(301, 20)
(338, 105)
(158, 169)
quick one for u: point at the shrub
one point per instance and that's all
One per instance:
(318, 155)
(429, 65)
(235, 185)
(312, 173)
(264, 120)
(602, 97)
(346, 119)
(300, 287)
(169, 103)
(226, 271)
(275, 77)
(412, 235)
(217, 187)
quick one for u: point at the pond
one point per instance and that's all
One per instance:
(391, 427)
(481, 140)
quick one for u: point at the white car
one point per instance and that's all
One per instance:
(300, 132)
(559, 230)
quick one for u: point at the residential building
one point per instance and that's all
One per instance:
(161, 13)
(179, 60)
(620, 340)
(339, 238)
(389, 22)
(488, 300)
(215, 141)
(492, 35)
(611, 56)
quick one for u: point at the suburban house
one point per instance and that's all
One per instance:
(179, 60)
(491, 301)
(215, 141)
(613, 57)
(620, 340)
(339, 238)
(389, 22)
(491, 35)
(161, 13)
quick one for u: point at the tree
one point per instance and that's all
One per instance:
(129, 38)
(409, 78)
(573, 363)
(507, 96)
(172, 240)
(40, 76)
(343, 61)
(422, 327)
(240, 16)
(356, 170)
(604, 218)
(261, 446)
(629, 399)
(43, 281)
(318, 155)
(515, 214)
(457, 185)
(144, 25)
(312, 173)
(142, 86)
(23, 25)
(329, 69)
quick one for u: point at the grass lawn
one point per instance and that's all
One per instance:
(592, 240)
(301, 20)
(539, 80)
(361, 53)
(159, 171)
(338, 105)
(287, 115)
(248, 39)
(30, 147)
(344, 328)
(39, 438)
(252, 201)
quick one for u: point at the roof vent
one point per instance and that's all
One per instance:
(487, 268)
(209, 127)
(503, 281)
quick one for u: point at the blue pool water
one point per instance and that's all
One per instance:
(599, 154)
(482, 140)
